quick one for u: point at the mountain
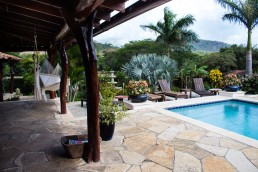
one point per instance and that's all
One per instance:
(208, 46)
(104, 47)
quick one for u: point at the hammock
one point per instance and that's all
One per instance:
(50, 78)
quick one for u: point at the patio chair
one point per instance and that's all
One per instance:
(165, 87)
(199, 88)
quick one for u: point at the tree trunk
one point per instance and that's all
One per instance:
(1, 81)
(249, 69)
(64, 77)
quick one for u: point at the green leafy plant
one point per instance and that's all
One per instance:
(110, 112)
(250, 85)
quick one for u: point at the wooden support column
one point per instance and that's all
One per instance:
(11, 76)
(64, 77)
(84, 37)
(93, 93)
(51, 53)
(1, 81)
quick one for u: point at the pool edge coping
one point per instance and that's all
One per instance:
(209, 127)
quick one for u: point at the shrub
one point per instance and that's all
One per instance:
(216, 78)
(250, 85)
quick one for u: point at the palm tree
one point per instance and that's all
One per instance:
(173, 32)
(244, 12)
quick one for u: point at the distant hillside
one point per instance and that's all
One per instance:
(209, 46)
(105, 47)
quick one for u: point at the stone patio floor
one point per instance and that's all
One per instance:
(145, 141)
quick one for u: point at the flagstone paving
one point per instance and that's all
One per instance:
(145, 141)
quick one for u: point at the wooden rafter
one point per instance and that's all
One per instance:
(118, 5)
(34, 6)
(11, 16)
(30, 13)
(130, 12)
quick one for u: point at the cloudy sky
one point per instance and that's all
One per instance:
(208, 24)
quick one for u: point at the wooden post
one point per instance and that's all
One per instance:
(85, 42)
(1, 81)
(64, 77)
(93, 93)
(51, 53)
(11, 77)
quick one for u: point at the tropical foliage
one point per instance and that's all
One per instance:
(250, 85)
(172, 32)
(150, 67)
(243, 12)
(113, 60)
(224, 61)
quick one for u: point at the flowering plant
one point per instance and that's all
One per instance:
(216, 77)
(232, 79)
(137, 87)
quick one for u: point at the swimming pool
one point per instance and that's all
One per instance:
(237, 116)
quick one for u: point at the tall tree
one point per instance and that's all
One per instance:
(244, 12)
(173, 32)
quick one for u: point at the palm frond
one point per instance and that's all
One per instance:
(233, 17)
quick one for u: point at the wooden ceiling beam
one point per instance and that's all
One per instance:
(34, 6)
(33, 22)
(27, 24)
(85, 8)
(96, 23)
(103, 14)
(28, 35)
(24, 26)
(56, 3)
(25, 37)
(12, 29)
(31, 14)
(132, 11)
(118, 5)
(22, 48)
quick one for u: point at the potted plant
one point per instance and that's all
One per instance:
(216, 78)
(110, 111)
(138, 90)
(232, 82)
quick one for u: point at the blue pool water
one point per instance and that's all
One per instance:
(237, 116)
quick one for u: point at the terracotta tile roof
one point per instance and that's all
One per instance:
(8, 56)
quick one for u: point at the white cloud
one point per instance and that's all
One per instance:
(208, 25)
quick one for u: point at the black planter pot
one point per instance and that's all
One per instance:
(138, 98)
(106, 131)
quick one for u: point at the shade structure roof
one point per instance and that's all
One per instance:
(4, 56)
(21, 20)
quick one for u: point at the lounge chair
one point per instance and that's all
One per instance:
(165, 87)
(199, 88)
